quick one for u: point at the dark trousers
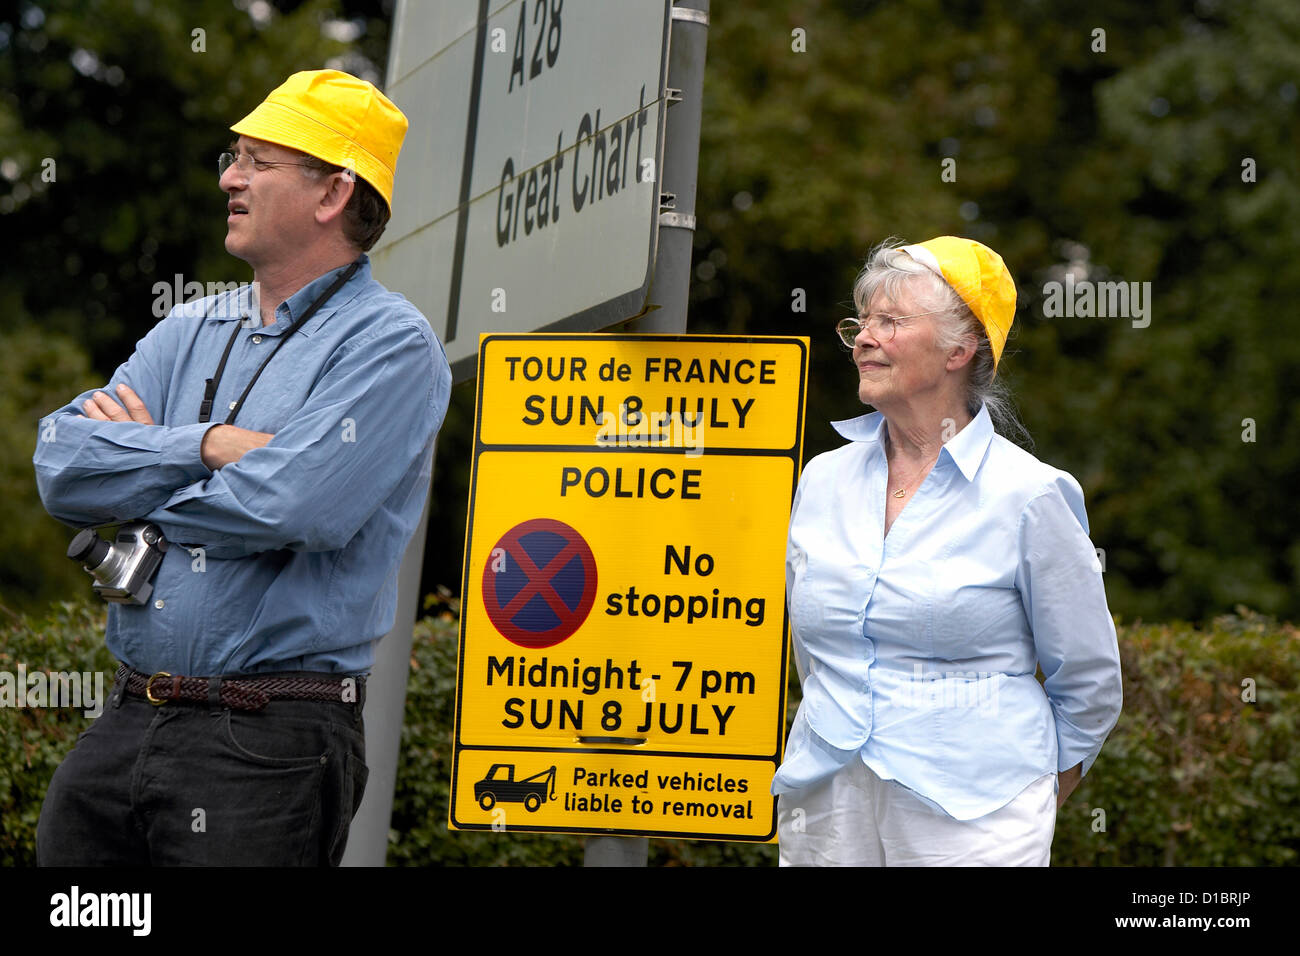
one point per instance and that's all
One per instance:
(188, 784)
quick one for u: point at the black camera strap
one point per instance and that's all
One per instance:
(210, 386)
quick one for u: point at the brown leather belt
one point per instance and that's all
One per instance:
(240, 693)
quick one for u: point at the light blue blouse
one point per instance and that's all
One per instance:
(918, 651)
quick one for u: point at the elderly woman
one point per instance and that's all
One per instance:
(932, 567)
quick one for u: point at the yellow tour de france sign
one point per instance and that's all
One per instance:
(623, 629)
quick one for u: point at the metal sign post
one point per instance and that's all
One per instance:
(672, 280)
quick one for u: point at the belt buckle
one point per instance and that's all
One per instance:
(148, 689)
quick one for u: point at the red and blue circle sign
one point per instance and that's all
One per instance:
(539, 583)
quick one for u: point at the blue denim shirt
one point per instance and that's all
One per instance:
(286, 559)
(918, 650)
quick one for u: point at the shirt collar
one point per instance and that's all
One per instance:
(301, 301)
(233, 304)
(966, 449)
(863, 428)
(238, 304)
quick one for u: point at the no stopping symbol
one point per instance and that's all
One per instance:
(539, 583)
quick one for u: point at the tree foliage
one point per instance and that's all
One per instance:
(1123, 165)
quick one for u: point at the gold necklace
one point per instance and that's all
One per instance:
(903, 490)
(889, 447)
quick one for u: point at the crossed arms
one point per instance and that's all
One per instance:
(236, 491)
(222, 444)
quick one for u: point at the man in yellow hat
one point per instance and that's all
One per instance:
(286, 487)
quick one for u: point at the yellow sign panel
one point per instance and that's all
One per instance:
(552, 390)
(622, 663)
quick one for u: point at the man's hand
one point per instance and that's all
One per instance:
(224, 444)
(1066, 782)
(102, 408)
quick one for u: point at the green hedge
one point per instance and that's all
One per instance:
(1196, 773)
(33, 741)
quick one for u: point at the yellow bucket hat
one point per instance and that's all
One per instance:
(335, 117)
(979, 276)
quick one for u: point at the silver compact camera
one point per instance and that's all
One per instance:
(122, 568)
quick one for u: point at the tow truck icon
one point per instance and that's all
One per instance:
(500, 786)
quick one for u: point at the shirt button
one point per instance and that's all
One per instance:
(257, 340)
(158, 604)
(232, 405)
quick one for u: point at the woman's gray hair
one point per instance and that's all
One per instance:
(889, 269)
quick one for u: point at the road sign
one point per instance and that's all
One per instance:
(539, 583)
(623, 635)
(527, 191)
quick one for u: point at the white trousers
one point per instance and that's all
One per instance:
(856, 819)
